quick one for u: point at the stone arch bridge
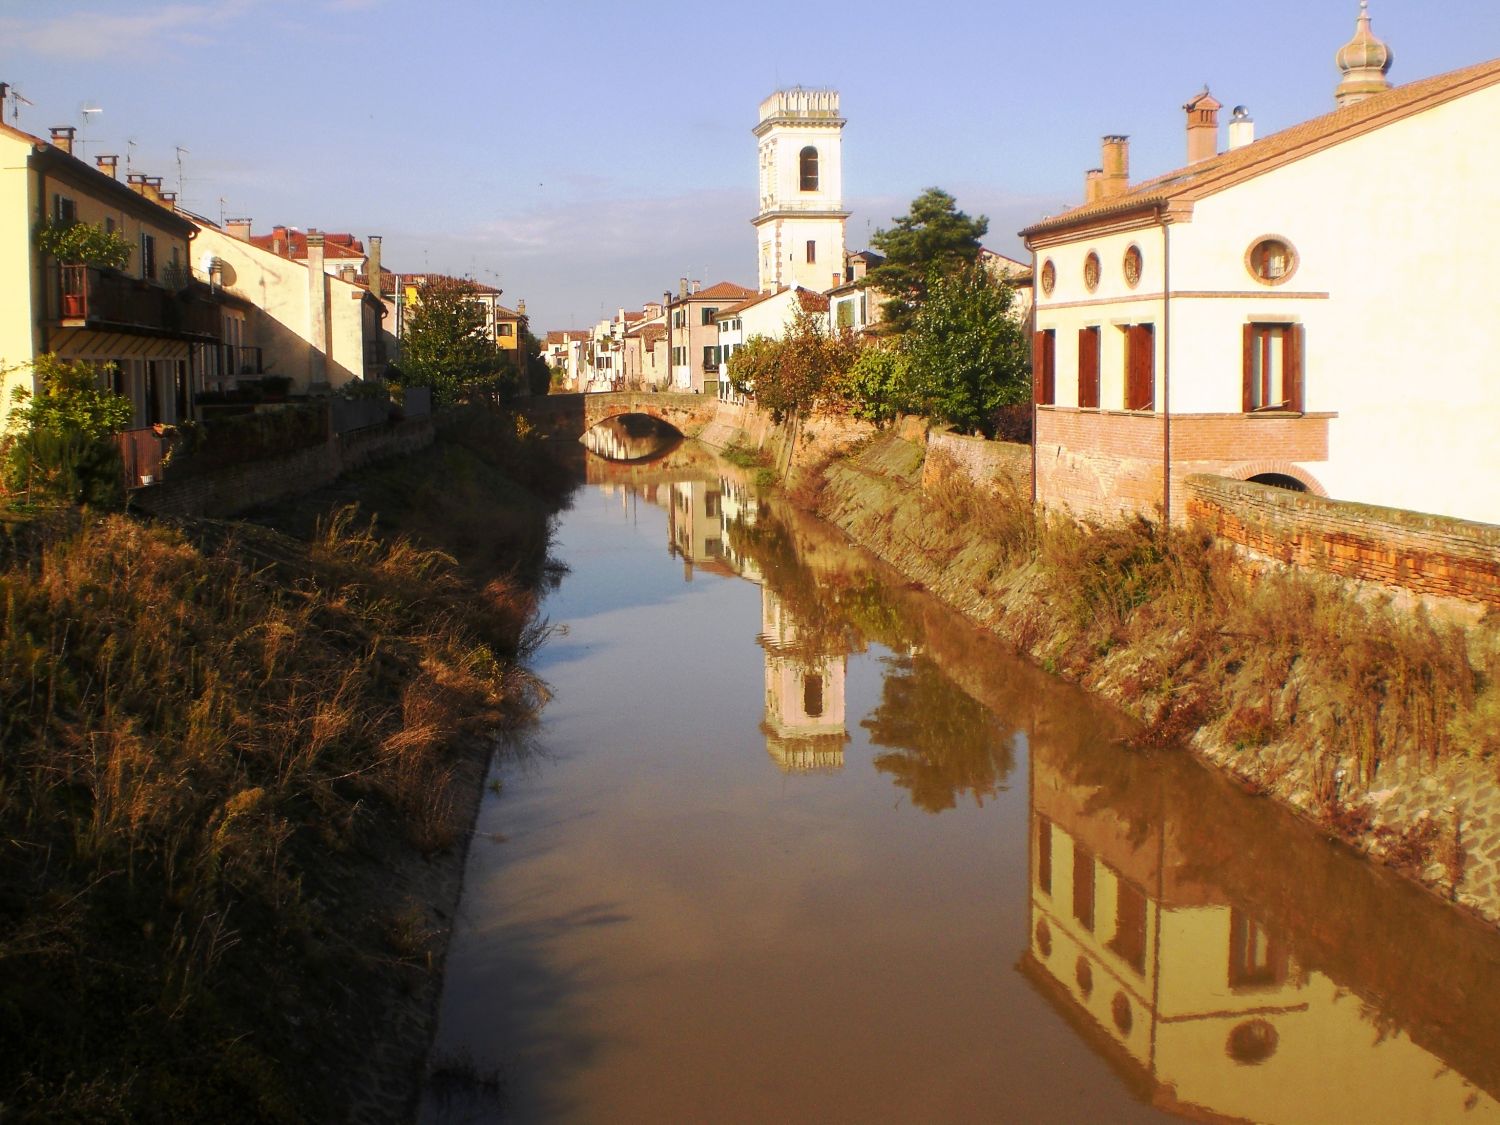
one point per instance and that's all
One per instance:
(573, 415)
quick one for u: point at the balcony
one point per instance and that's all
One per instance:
(107, 301)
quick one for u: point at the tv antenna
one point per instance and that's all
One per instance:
(88, 113)
(181, 152)
(17, 100)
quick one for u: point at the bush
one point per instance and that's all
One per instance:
(60, 442)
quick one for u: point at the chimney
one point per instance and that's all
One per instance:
(62, 137)
(317, 312)
(1241, 128)
(238, 228)
(1093, 185)
(696, 284)
(167, 199)
(109, 165)
(521, 307)
(346, 273)
(1202, 127)
(1116, 177)
(372, 265)
(682, 287)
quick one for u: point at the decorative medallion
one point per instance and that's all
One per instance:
(1049, 277)
(1271, 260)
(1133, 266)
(1091, 272)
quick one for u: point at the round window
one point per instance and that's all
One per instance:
(1084, 975)
(1271, 261)
(1091, 272)
(1133, 266)
(1251, 1042)
(1049, 277)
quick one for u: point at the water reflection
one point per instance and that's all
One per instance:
(1125, 922)
(631, 437)
(1230, 964)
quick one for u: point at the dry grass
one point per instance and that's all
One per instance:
(194, 722)
(1176, 625)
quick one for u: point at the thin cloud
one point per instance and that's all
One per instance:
(98, 34)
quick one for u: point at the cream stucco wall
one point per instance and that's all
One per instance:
(283, 325)
(17, 309)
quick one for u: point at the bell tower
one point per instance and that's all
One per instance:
(800, 227)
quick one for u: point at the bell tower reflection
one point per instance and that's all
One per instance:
(1137, 938)
(804, 717)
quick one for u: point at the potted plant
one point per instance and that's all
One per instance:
(80, 244)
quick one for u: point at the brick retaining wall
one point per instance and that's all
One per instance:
(238, 488)
(1425, 554)
(983, 461)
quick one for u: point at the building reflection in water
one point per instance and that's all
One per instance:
(1202, 1001)
(804, 719)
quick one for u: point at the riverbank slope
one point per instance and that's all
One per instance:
(241, 761)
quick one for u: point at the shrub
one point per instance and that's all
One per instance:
(60, 441)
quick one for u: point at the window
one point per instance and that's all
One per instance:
(812, 251)
(1140, 367)
(711, 357)
(679, 318)
(1256, 960)
(1271, 261)
(1129, 940)
(1088, 366)
(148, 256)
(1273, 367)
(679, 356)
(1049, 277)
(808, 165)
(1091, 272)
(1044, 854)
(1133, 263)
(844, 315)
(505, 329)
(1044, 367)
(812, 696)
(708, 316)
(1083, 886)
(64, 210)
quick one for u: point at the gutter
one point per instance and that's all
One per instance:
(1166, 367)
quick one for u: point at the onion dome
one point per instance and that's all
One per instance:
(1364, 62)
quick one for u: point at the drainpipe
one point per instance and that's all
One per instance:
(39, 293)
(1166, 369)
(1036, 291)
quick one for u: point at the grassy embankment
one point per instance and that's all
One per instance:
(217, 740)
(1314, 687)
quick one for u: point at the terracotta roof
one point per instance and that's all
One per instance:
(632, 317)
(812, 302)
(650, 335)
(419, 279)
(724, 290)
(294, 244)
(735, 310)
(1229, 168)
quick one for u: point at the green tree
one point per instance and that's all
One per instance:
(968, 351)
(444, 345)
(83, 244)
(877, 385)
(934, 239)
(59, 441)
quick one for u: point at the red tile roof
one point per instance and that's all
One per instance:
(724, 290)
(292, 243)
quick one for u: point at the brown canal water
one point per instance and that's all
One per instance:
(794, 843)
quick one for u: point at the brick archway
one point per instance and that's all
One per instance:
(1248, 469)
(573, 415)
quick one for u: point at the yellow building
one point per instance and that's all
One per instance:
(150, 320)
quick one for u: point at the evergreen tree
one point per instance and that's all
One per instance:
(934, 239)
(444, 345)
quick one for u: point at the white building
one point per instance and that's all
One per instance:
(1312, 309)
(800, 227)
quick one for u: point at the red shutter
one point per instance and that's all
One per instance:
(1037, 376)
(1140, 367)
(1088, 367)
(1247, 396)
(1049, 367)
(1292, 371)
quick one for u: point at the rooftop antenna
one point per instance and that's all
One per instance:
(88, 112)
(17, 100)
(129, 154)
(222, 201)
(181, 152)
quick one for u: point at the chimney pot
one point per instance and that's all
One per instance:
(238, 228)
(1241, 128)
(62, 137)
(109, 165)
(1202, 127)
(1093, 185)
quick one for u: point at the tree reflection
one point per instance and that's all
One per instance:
(943, 744)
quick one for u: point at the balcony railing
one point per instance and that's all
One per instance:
(85, 297)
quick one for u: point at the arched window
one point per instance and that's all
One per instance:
(809, 162)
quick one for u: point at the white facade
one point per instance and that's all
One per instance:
(800, 226)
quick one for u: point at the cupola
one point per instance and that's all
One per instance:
(1364, 62)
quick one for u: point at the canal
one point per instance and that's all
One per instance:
(794, 843)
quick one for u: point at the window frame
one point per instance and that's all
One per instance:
(809, 171)
(1090, 352)
(1257, 342)
(1140, 367)
(1044, 367)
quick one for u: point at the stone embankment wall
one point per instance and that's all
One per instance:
(238, 488)
(1428, 555)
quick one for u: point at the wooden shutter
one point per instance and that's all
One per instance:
(1038, 366)
(1088, 367)
(1291, 375)
(1247, 395)
(1140, 367)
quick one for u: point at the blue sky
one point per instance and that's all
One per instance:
(584, 155)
